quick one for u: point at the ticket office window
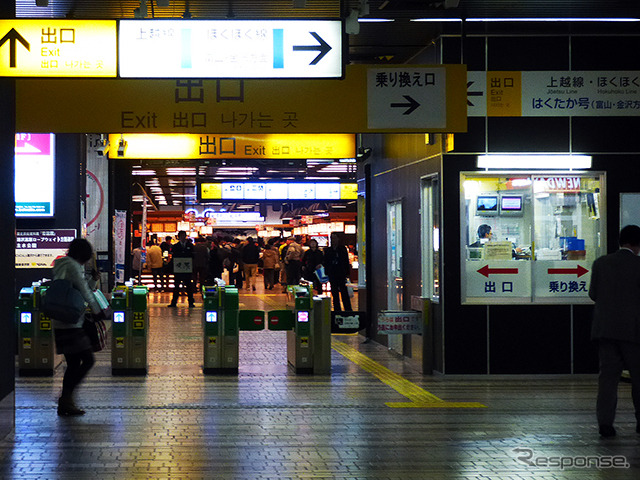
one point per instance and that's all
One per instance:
(530, 238)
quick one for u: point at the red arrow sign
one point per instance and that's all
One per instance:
(579, 271)
(486, 271)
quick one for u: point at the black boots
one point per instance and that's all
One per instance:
(66, 408)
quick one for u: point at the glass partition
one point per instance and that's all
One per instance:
(529, 238)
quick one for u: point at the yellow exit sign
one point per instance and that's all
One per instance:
(58, 48)
(249, 146)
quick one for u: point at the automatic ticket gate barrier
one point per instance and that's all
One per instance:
(308, 329)
(130, 327)
(36, 347)
(222, 321)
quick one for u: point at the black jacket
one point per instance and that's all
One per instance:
(336, 262)
(250, 254)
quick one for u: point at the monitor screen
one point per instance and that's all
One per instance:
(511, 203)
(487, 203)
(34, 174)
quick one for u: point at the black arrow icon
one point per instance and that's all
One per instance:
(13, 35)
(323, 48)
(412, 105)
(472, 94)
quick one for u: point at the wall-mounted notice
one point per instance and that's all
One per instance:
(39, 248)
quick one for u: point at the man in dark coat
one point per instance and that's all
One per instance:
(337, 268)
(182, 258)
(615, 287)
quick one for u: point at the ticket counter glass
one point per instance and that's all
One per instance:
(530, 237)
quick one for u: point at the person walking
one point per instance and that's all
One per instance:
(156, 264)
(216, 256)
(337, 268)
(201, 262)
(137, 261)
(269, 262)
(311, 261)
(615, 289)
(182, 259)
(293, 261)
(250, 254)
(71, 339)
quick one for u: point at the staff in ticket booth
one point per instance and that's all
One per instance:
(484, 236)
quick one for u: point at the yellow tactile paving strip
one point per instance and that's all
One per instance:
(419, 397)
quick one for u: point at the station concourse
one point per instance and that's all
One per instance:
(430, 122)
(374, 417)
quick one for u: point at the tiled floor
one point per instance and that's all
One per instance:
(268, 423)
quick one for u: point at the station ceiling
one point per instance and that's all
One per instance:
(399, 40)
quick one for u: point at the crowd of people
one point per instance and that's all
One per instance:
(238, 262)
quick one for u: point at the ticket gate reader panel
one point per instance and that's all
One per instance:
(130, 328)
(36, 346)
(221, 330)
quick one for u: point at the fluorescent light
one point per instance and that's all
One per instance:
(436, 20)
(375, 20)
(553, 19)
(534, 161)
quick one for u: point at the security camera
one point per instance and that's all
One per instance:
(122, 146)
(103, 148)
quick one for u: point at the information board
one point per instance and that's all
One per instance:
(230, 48)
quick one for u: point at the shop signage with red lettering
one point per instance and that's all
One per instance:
(557, 184)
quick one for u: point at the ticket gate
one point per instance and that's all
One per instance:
(308, 328)
(36, 347)
(129, 330)
(222, 321)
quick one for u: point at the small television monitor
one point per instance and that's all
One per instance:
(511, 205)
(487, 205)
(323, 240)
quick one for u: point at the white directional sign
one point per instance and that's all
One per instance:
(230, 48)
(406, 97)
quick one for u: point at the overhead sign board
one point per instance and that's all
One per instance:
(277, 191)
(58, 48)
(553, 93)
(410, 97)
(229, 106)
(207, 146)
(230, 48)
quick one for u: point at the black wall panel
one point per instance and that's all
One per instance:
(528, 53)
(605, 134)
(528, 134)
(605, 53)
(474, 139)
(531, 340)
(585, 352)
(465, 326)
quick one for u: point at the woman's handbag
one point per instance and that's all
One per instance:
(62, 301)
(97, 333)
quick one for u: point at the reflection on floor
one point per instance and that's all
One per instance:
(374, 417)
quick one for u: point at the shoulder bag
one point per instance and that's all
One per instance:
(62, 301)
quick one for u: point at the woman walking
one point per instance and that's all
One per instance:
(71, 339)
